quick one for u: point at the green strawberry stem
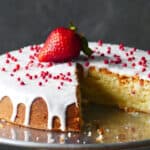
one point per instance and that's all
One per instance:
(72, 27)
(85, 47)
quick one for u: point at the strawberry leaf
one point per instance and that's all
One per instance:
(85, 47)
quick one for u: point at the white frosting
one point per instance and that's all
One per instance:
(129, 70)
(56, 99)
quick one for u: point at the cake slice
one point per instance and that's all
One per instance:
(118, 76)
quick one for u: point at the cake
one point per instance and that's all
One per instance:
(49, 95)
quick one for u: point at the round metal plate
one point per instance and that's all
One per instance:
(104, 127)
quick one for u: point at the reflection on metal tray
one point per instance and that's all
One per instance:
(104, 127)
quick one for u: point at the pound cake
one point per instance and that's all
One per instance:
(48, 94)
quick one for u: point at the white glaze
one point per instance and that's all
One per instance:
(118, 68)
(56, 99)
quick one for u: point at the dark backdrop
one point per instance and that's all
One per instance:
(24, 22)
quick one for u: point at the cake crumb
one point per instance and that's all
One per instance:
(62, 139)
(69, 134)
(99, 138)
(78, 141)
(89, 134)
(100, 131)
(1, 126)
(121, 137)
(107, 130)
(37, 138)
(134, 114)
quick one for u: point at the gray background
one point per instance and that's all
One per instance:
(24, 22)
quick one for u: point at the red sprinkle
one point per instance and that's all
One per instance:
(31, 57)
(20, 50)
(26, 67)
(40, 83)
(11, 74)
(102, 54)
(35, 54)
(3, 69)
(22, 83)
(30, 77)
(134, 49)
(40, 65)
(49, 75)
(130, 59)
(124, 65)
(70, 80)
(46, 80)
(57, 77)
(7, 61)
(131, 52)
(100, 42)
(108, 50)
(35, 76)
(143, 58)
(121, 46)
(37, 48)
(61, 83)
(14, 59)
(86, 63)
(149, 75)
(17, 66)
(139, 63)
(8, 55)
(27, 74)
(18, 78)
(143, 69)
(92, 57)
(106, 61)
(32, 47)
(68, 73)
(133, 64)
(69, 63)
(58, 87)
(14, 70)
(127, 54)
(49, 64)
(148, 52)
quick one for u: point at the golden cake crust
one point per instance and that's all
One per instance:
(39, 115)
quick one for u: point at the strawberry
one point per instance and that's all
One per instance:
(63, 44)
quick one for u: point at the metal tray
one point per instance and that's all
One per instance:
(105, 127)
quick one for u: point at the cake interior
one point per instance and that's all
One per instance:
(126, 92)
